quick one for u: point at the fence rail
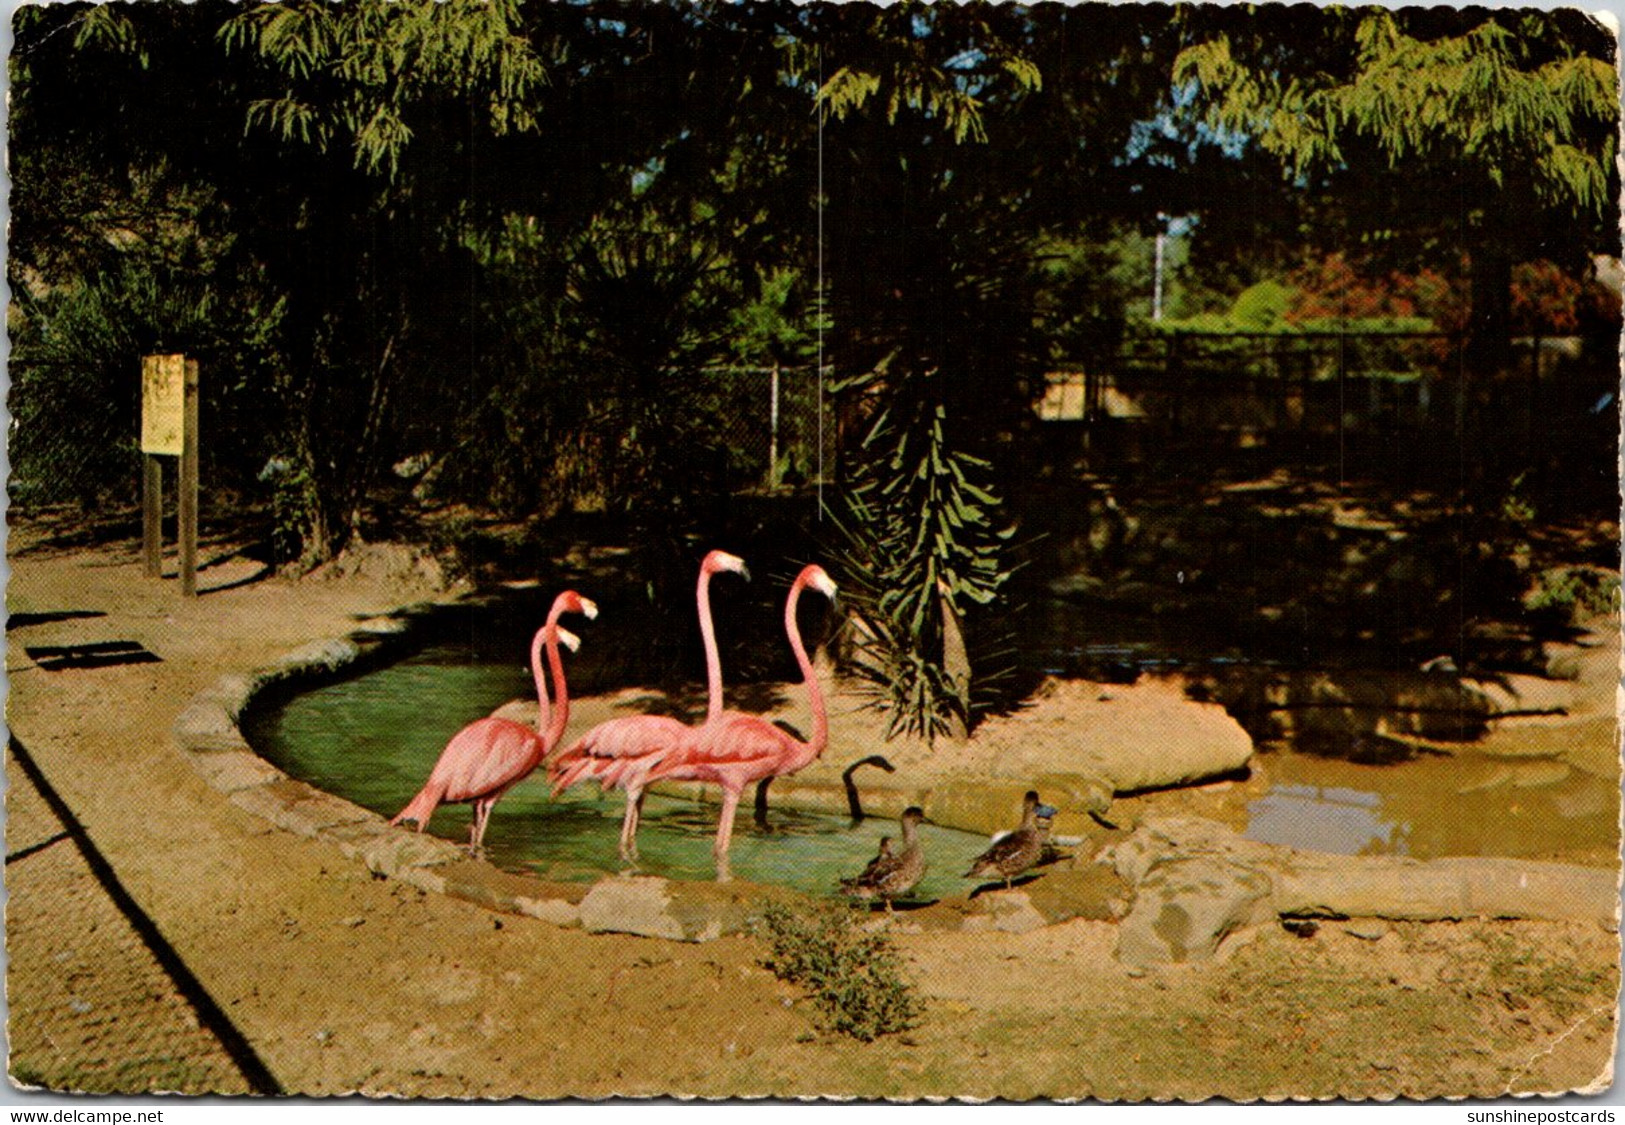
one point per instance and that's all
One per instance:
(775, 424)
(1271, 381)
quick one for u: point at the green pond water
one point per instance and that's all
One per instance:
(373, 739)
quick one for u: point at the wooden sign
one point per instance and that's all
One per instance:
(169, 427)
(163, 404)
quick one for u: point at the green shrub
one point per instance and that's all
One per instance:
(1573, 592)
(854, 976)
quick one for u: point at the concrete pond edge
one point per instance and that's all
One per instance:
(1179, 887)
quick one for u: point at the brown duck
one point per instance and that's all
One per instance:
(1012, 854)
(893, 873)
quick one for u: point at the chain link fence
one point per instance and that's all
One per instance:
(776, 425)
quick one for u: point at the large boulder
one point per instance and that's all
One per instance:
(1183, 909)
(1196, 881)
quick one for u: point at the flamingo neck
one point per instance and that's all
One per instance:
(561, 709)
(544, 712)
(815, 694)
(713, 660)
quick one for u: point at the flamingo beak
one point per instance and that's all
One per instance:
(733, 563)
(824, 584)
(569, 639)
(589, 608)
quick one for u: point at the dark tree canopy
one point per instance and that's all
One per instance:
(1420, 123)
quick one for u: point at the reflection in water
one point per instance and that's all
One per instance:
(1461, 804)
(372, 740)
(1346, 821)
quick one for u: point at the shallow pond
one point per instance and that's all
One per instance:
(373, 739)
(1433, 806)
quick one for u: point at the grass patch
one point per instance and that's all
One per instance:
(854, 976)
(1519, 976)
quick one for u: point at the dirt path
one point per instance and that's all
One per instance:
(300, 972)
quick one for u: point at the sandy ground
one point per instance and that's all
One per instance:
(159, 938)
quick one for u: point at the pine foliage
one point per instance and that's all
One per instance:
(1512, 101)
(356, 70)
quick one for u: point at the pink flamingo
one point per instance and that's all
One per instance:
(622, 752)
(490, 756)
(737, 749)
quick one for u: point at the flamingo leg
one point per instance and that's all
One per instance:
(629, 825)
(725, 823)
(476, 836)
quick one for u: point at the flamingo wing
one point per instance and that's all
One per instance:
(733, 751)
(608, 751)
(486, 757)
(738, 737)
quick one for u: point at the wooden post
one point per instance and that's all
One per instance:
(187, 502)
(773, 431)
(152, 516)
(163, 420)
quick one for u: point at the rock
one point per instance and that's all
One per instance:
(205, 725)
(1455, 887)
(1501, 888)
(232, 770)
(1421, 704)
(1011, 912)
(1395, 887)
(317, 657)
(1515, 694)
(655, 907)
(300, 808)
(1087, 890)
(484, 885)
(1369, 929)
(1172, 837)
(395, 853)
(1184, 908)
(633, 904)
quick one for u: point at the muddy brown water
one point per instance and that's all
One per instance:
(1461, 804)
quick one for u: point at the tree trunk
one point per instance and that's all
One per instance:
(1489, 326)
(956, 663)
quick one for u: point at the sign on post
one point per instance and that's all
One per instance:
(169, 416)
(163, 404)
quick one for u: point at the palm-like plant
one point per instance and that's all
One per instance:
(923, 548)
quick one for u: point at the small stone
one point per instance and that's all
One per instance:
(1372, 930)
